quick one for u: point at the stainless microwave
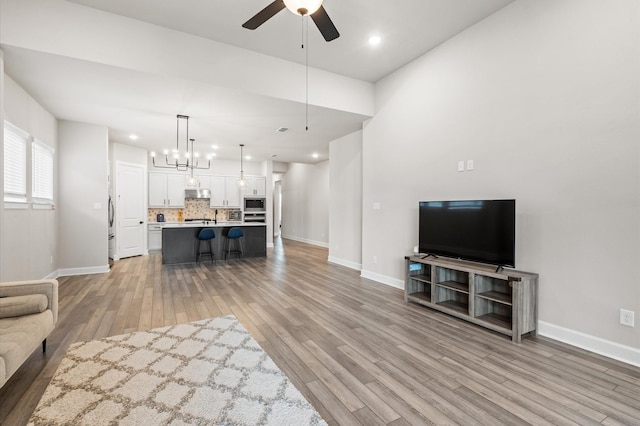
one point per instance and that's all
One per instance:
(255, 204)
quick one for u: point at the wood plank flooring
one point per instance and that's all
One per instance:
(357, 352)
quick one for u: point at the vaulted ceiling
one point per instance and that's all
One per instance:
(133, 65)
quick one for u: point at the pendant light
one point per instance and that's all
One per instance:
(242, 182)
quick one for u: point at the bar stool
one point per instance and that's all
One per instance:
(206, 235)
(237, 236)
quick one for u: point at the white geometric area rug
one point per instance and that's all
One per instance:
(209, 372)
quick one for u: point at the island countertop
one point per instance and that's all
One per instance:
(205, 224)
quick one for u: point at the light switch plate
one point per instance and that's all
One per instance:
(469, 164)
(461, 166)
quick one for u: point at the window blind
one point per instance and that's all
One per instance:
(15, 163)
(41, 173)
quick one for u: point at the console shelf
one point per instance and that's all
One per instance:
(504, 301)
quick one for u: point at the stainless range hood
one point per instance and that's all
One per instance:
(198, 193)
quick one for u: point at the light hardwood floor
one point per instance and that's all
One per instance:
(352, 346)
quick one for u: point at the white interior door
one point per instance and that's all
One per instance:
(130, 210)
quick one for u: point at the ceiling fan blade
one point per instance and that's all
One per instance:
(324, 24)
(264, 15)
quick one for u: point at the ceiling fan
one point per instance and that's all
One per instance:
(312, 8)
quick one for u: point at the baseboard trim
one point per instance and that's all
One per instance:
(344, 262)
(52, 276)
(594, 344)
(67, 272)
(383, 279)
(304, 240)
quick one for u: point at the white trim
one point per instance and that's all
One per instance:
(270, 245)
(594, 344)
(304, 240)
(383, 279)
(42, 206)
(16, 205)
(83, 271)
(591, 343)
(52, 276)
(344, 262)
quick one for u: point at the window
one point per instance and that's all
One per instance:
(42, 173)
(15, 164)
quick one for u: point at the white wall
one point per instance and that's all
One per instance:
(305, 203)
(345, 201)
(83, 226)
(29, 236)
(543, 95)
(267, 171)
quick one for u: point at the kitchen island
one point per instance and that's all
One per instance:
(180, 240)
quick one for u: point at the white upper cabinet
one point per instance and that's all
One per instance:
(166, 190)
(224, 191)
(256, 186)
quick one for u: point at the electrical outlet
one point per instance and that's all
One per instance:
(627, 318)
(461, 166)
(469, 164)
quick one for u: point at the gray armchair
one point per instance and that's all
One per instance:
(28, 314)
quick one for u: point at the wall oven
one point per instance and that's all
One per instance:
(255, 204)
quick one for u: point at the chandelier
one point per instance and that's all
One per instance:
(185, 160)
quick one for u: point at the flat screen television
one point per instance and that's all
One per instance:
(476, 230)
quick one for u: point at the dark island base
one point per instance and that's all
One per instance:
(180, 245)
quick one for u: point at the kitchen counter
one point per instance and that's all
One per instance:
(180, 239)
(208, 224)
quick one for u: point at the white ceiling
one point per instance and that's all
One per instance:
(146, 102)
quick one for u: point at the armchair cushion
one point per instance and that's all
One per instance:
(17, 306)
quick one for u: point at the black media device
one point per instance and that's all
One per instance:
(476, 230)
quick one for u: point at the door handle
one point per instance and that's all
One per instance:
(141, 222)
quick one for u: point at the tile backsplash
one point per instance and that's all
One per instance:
(193, 209)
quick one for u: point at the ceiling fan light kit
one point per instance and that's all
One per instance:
(303, 7)
(313, 8)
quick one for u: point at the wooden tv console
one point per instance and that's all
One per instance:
(504, 301)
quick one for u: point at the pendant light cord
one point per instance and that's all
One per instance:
(306, 117)
(305, 40)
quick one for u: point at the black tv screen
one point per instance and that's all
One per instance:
(476, 230)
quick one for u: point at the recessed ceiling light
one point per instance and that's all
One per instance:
(248, 157)
(315, 155)
(214, 146)
(374, 40)
(133, 137)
